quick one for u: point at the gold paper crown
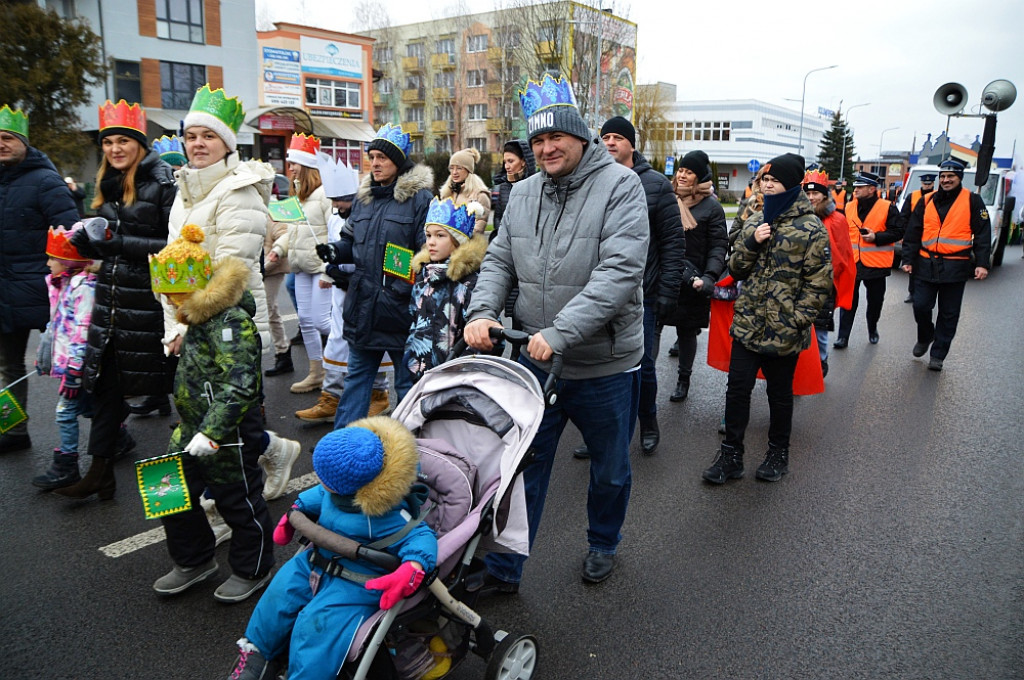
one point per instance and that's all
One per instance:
(183, 266)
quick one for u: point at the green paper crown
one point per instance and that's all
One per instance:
(180, 276)
(222, 107)
(14, 121)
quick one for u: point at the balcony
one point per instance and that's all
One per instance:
(497, 159)
(495, 89)
(443, 60)
(496, 125)
(413, 95)
(443, 93)
(414, 128)
(413, 63)
(442, 126)
(496, 54)
(547, 49)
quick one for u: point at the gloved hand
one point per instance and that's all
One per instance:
(328, 252)
(400, 583)
(201, 445)
(665, 308)
(71, 383)
(80, 240)
(284, 532)
(110, 247)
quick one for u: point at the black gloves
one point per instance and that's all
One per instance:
(665, 309)
(329, 253)
(109, 247)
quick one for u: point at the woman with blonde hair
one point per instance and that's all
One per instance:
(463, 186)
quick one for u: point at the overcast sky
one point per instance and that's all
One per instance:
(891, 54)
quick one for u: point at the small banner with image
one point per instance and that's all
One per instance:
(11, 413)
(289, 210)
(162, 485)
(398, 262)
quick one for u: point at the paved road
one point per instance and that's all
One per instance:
(893, 549)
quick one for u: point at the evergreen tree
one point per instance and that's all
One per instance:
(830, 153)
(48, 65)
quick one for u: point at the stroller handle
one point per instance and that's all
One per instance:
(519, 339)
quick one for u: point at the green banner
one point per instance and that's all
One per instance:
(286, 211)
(398, 262)
(162, 485)
(11, 413)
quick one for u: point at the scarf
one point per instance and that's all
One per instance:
(687, 197)
(456, 187)
(776, 204)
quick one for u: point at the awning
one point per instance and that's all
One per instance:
(303, 123)
(343, 128)
(170, 120)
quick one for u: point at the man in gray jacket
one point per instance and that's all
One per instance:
(575, 238)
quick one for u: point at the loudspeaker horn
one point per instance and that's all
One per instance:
(999, 95)
(950, 99)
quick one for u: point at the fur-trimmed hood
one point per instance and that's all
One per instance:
(406, 186)
(466, 259)
(401, 461)
(225, 289)
(825, 208)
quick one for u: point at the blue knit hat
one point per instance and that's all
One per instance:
(345, 460)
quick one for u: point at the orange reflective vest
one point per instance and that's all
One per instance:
(869, 254)
(914, 198)
(839, 196)
(951, 238)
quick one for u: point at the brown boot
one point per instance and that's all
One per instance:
(311, 382)
(98, 480)
(321, 412)
(380, 403)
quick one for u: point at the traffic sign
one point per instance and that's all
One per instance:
(754, 165)
(670, 164)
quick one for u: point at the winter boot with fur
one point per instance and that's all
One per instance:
(321, 412)
(311, 382)
(380, 403)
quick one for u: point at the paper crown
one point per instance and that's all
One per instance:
(545, 94)
(303, 150)
(396, 136)
(816, 180)
(14, 120)
(121, 115)
(338, 179)
(455, 218)
(58, 244)
(170, 150)
(183, 265)
(216, 103)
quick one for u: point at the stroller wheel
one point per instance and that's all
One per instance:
(514, 658)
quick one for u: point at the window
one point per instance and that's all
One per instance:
(127, 81)
(180, 20)
(414, 114)
(476, 43)
(553, 68)
(444, 46)
(333, 93)
(443, 144)
(508, 74)
(346, 150)
(444, 79)
(476, 78)
(477, 111)
(548, 33)
(179, 82)
(478, 143)
(444, 112)
(385, 86)
(413, 82)
(703, 131)
(508, 36)
(417, 146)
(414, 50)
(383, 54)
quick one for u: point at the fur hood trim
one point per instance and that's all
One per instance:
(406, 186)
(229, 280)
(466, 259)
(825, 208)
(401, 462)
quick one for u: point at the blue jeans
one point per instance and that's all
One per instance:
(68, 411)
(363, 366)
(648, 372)
(289, 285)
(605, 411)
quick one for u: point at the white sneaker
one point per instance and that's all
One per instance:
(277, 464)
(221, 530)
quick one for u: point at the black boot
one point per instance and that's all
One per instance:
(776, 464)
(673, 351)
(157, 402)
(63, 472)
(98, 480)
(282, 364)
(649, 435)
(682, 390)
(125, 443)
(728, 465)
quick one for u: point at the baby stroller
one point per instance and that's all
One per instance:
(474, 419)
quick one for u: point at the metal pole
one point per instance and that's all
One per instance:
(803, 97)
(881, 162)
(597, 86)
(842, 158)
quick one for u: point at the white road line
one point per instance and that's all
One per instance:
(146, 538)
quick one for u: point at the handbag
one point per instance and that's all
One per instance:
(727, 289)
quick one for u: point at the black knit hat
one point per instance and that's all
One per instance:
(621, 127)
(393, 153)
(787, 168)
(698, 163)
(126, 131)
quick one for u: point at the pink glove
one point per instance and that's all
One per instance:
(400, 583)
(284, 532)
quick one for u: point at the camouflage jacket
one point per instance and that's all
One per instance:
(218, 378)
(786, 280)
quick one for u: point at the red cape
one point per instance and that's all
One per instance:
(844, 269)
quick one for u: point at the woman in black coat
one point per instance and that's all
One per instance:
(124, 355)
(707, 244)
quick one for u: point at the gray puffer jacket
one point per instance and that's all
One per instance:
(578, 246)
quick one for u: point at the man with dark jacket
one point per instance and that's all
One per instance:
(383, 232)
(575, 238)
(948, 241)
(33, 197)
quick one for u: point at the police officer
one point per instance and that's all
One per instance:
(927, 185)
(948, 240)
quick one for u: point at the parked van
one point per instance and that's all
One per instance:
(994, 193)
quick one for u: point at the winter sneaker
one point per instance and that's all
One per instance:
(250, 664)
(63, 472)
(380, 404)
(321, 412)
(935, 364)
(221, 530)
(776, 464)
(180, 578)
(920, 348)
(673, 351)
(277, 462)
(237, 589)
(728, 465)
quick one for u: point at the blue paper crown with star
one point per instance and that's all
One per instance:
(454, 218)
(170, 150)
(396, 136)
(545, 94)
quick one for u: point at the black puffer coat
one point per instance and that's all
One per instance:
(664, 272)
(33, 197)
(126, 314)
(707, 246)
(502, 188)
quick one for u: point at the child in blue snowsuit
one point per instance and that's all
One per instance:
(366, 471)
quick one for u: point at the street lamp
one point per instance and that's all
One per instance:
(881, 163)
(842, 157)
(803, 97)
